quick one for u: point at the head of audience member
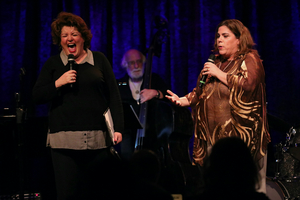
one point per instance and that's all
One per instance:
(145, 165)
(133, 62)
(233, 39)
(230, 168)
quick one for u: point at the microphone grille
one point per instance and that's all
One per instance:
(211, 58)
(70, 57)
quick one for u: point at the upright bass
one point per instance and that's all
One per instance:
(167, 130)
(154, 50)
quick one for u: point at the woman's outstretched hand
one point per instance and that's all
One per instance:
(182, 101)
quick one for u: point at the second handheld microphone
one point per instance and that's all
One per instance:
(211, 59)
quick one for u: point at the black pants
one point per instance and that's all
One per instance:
(82, 174)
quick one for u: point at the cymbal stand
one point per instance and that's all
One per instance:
(20, 116)
(278, 158)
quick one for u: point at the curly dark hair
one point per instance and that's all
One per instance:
(69, 19)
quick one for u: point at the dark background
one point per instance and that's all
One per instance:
(25, 42)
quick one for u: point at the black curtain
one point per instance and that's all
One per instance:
(120, 25)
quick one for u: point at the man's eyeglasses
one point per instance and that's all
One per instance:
(133, 62)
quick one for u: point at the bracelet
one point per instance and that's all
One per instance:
(158, 94)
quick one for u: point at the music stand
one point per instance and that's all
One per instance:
(131, 120)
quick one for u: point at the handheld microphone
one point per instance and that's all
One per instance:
(211, 59)
(71, 61)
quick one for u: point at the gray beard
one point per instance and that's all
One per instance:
(136, 78)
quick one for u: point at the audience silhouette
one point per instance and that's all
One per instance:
(134, 179)
(145, 167)
(230, 172)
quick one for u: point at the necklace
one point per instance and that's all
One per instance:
(226, 65)
(136, 86)
(135, 89)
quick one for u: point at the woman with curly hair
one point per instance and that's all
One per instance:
(79, 96)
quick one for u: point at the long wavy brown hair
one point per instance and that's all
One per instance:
(69, 19)
(241, 32)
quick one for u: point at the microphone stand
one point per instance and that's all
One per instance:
(20, 116)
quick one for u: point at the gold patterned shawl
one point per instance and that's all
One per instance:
(238, 109)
